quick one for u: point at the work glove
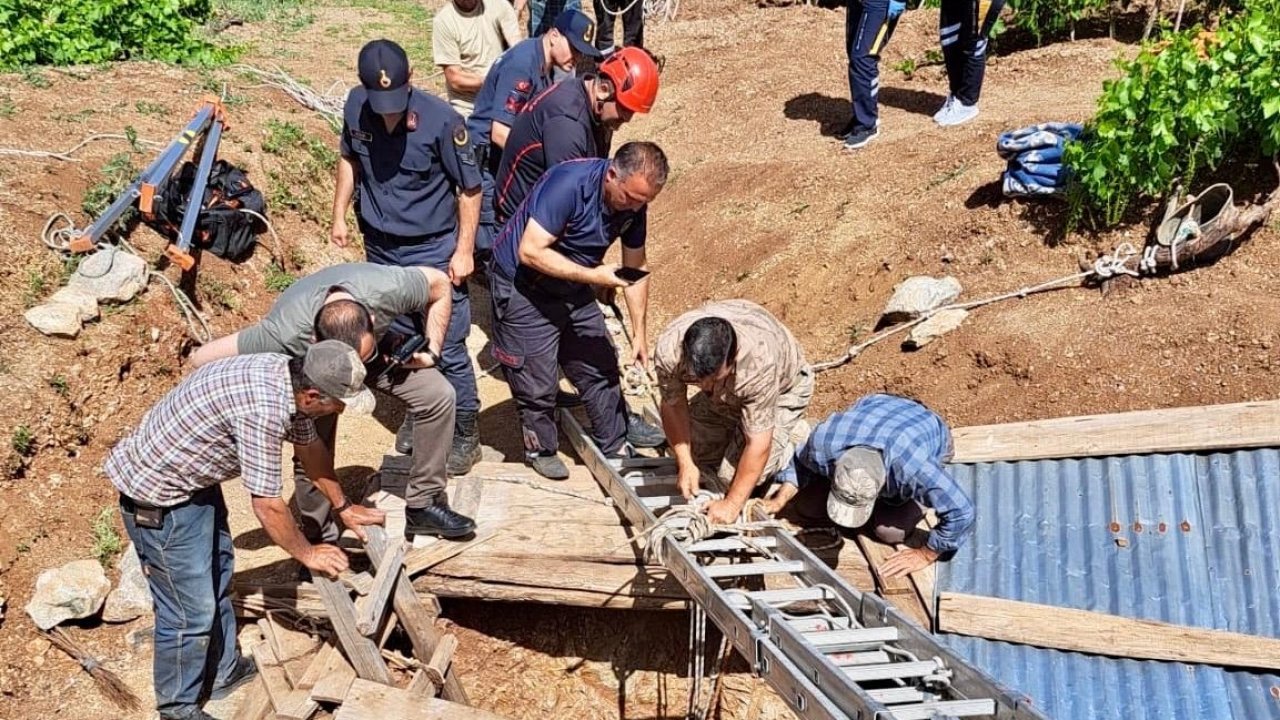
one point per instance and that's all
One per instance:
(896, 8)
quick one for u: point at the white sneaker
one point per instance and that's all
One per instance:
(946, 107)
(956, 114)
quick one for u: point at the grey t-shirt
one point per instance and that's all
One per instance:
(387, 291)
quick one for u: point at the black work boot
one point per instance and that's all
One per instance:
(465, 451)
(437, 519)
(404, 436)
(641, 433)
(246, 669)
(547, 464)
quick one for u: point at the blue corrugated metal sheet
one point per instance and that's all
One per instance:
(1187, 539)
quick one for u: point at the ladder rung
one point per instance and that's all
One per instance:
(730, 544)
(640, 478)
(775, 598)
(828, 640)
(898, 695)
(775, 567)
(663, 501)
(849, 659)
(642, 462)
(946, 708)
(890, 671)
(818, 623)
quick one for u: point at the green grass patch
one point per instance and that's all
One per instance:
(23, 441)
(300, 169)
(278, 279)
(107, 543)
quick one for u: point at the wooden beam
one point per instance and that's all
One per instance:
(414, 616)
(375, 605)
(361, 651)
(272, 674)
(419, 559)
(441, 659)
(326, 661)
(333, 688)
(1102, 634)
(256, 704)
(370, 701)
(1186, 429)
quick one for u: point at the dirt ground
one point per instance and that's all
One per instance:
(762, 204)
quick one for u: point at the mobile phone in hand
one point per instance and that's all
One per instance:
(631, 275)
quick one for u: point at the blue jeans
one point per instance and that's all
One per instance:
(543, 14)
(188, 562)
(433, 251)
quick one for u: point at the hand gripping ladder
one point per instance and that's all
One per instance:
(204, 130)
(830, 651)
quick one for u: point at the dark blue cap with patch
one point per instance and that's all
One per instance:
(384, 72)
(581, 32)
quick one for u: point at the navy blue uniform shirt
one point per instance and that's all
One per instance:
(409, 178)
(568, 202)
(555, 126)
(516, 76)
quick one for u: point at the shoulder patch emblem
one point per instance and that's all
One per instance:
(411, 121)
(524, 86)
(460, 135)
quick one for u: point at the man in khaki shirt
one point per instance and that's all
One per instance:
(748, 418)
(467, 37)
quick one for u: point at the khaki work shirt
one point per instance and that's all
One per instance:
(768, 363)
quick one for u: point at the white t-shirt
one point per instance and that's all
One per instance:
(472, 41)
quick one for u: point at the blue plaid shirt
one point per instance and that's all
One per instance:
(915, 443)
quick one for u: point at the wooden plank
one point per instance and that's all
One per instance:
(370, 701)
(256, 703)
(272, 674)
(1102, 634)
(441, 659)
(1185, 429)
(420, 685)
(333, 688)
(361, 651)
(289, 644)
(877, 553)
(375, 606)
(326, 661)
(419, 559)
(413, 615)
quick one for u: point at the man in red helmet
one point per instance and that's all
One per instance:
(573, 119)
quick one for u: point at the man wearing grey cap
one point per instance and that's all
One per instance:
(229, 418)
(883, 462)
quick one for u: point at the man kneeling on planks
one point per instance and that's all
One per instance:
(880, 464)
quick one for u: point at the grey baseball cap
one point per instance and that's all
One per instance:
(859, 477)
(336, 369)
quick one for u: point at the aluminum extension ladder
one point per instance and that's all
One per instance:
(828, 650)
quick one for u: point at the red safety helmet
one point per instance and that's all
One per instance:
(635, 78)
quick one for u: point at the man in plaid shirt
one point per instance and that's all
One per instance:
(883, 460)
(229, 418)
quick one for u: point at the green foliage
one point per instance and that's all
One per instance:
(299, 161)
(60, 385)
(278, 279)
(36, 286)
(1183, 106)
(23, 441)
(116, 175)
(71, 32)
(107, 543)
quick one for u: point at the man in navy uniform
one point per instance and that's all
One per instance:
(517, 76)
(409, 154)
(573, 119)
(868, 26)
(547, 264)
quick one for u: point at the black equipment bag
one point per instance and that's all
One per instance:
(221, 228)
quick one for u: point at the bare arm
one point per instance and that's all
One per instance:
(536, 252)
(317, 461)
(637, 297)
(278, 522)
(439, 307)
(344, 189)
(675, 423)
(463, 261)
(223, 347)
(498, 134)
(462, 81)
(755, 455)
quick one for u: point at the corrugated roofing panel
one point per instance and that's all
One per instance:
(1187, 539)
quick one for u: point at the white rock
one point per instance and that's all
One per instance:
(111, 275)
(917, 296)
(55, 319)
(132, 597)
(75, 590)
(79, 298)
(935, 327)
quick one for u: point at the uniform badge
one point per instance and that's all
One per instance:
(460, 135)
(524, 86)
(411, 121)
(589, 34)
(361, 135)
(383, 80)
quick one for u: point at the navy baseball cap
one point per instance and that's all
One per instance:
(384, 72)
(581, 32)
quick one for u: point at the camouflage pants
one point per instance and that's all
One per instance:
(717, 437)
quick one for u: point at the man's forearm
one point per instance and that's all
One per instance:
(755, 455)
(675, 424)
(637, 299)
(468, 220)
(462, 81)
(283, 531)
(344, 188)
(552, 263)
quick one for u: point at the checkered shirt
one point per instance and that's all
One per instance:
(228, 418)
(915, 443)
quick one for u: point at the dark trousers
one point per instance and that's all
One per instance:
(867, 29)
(188, 561)
(964, 30)
(533, 333)
(543, 14)
(430, 401)
(632, 22)
(433, 251)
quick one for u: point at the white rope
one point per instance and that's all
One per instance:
(65, 155)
